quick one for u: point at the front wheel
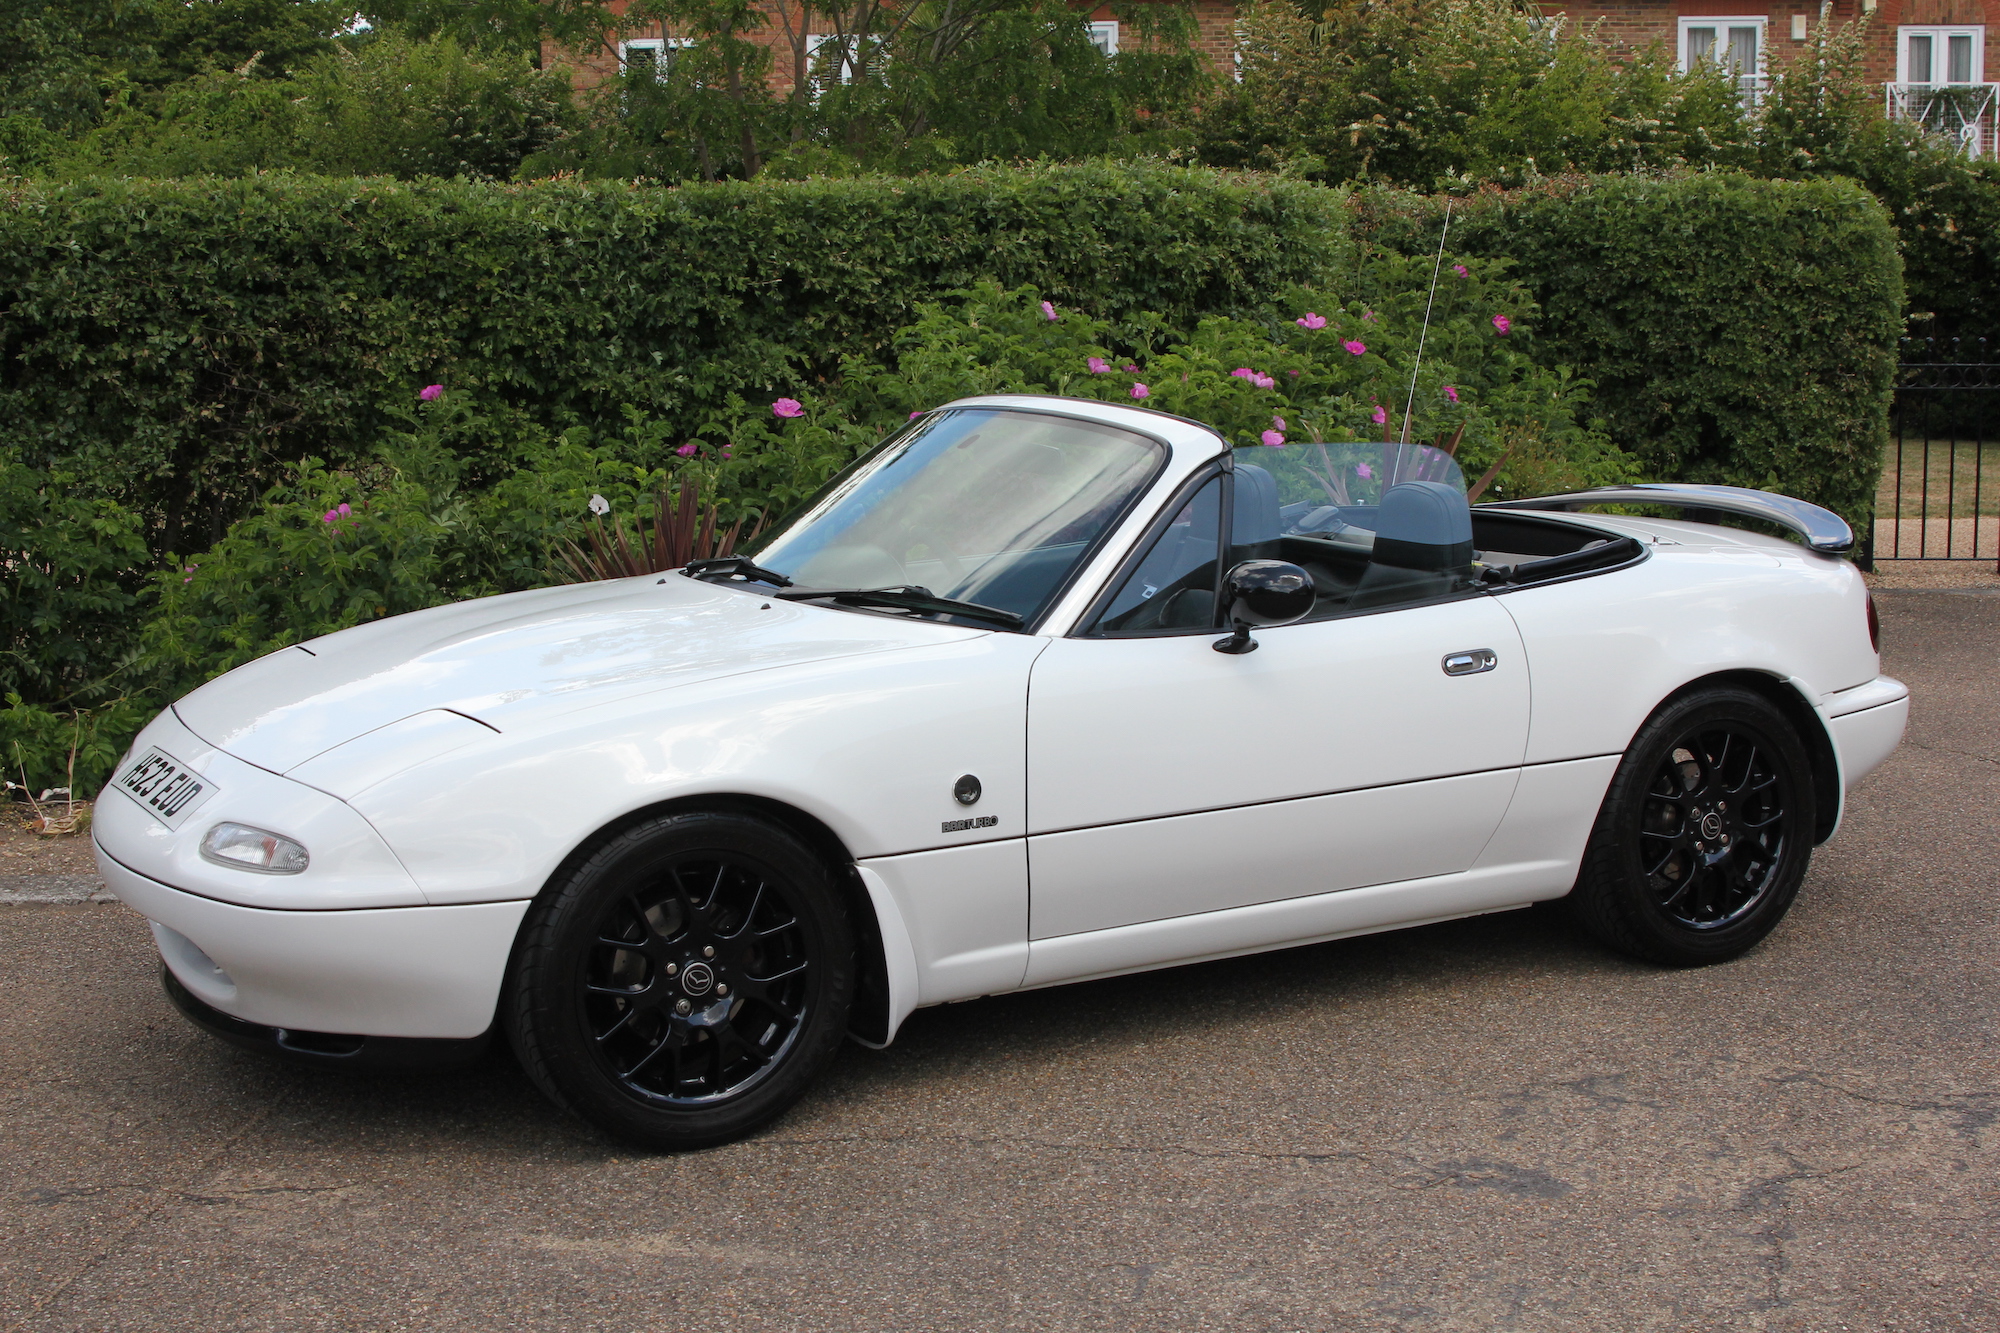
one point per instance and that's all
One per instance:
(686, 983)
(1704, 835)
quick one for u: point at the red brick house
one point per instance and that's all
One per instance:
(1928, 56)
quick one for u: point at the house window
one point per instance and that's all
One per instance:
(657, 54)
(830, 46)
(1736, 44)
(1942, 55)
(1104, 36)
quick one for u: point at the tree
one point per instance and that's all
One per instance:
(1423, 92)
(885, 86)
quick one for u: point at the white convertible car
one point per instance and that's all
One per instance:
(1039, 690)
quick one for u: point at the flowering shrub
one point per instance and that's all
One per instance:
(1477, 394)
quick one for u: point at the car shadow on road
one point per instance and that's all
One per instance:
(493, 1103)
(1197, 999)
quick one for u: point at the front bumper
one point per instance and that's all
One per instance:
(325, 1050)
(408, 972)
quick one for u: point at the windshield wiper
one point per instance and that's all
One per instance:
(735, 564)
(909, 598)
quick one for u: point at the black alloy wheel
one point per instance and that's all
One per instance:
(687, 982)
(1705, 833)
(1712, 829)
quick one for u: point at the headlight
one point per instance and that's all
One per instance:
(247, 848)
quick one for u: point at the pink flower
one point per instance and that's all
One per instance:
(915, 415)
(430, 393)
(787, 407)
(1502, 323)
(1311, 321)
(344, 511)
(1381, 418)
(725, 453)
(1243, 373)
(1293, 373)
(1278, 422)
(1264, 382)
(1050, 312)
(1141, 391)
(1355, 348)
(330, 516)
(1131, 370)
(1460, 270)
(1451, 393)
(1098, 366)
(1272, 439)
(686, 450)
(1364, 472)
(1370, 316)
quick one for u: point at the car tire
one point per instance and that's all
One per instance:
(686, 982)
(1704, 835)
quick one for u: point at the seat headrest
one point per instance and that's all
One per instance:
(1256, 517)
(1423, 525)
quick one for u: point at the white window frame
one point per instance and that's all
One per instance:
(1940, 48)
(1103, 35)
(659, 46)
(815, 41)
(1722, 23)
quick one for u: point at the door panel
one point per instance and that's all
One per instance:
(1136, 872)
(1122, 730)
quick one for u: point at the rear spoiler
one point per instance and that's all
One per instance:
(1823, 530)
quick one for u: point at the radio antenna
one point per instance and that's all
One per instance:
(1436, 266)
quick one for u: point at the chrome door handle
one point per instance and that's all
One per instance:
(1470, 662)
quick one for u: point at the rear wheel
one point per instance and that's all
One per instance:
(1704, 835)
(687, 983)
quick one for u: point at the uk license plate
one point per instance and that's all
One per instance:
(166, 788)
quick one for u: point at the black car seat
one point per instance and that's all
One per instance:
(1423, 546)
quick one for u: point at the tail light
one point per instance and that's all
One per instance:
(1874, 625)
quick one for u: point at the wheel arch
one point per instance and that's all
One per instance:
(1828, 792)
(869, 1020)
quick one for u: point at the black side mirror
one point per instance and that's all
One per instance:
(1262, 593)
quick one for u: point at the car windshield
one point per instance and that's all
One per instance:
(980, 505)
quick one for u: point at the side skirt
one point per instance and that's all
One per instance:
(1292, 921)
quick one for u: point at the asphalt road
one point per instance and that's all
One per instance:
(1482, 1125)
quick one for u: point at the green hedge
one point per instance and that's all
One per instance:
(170, 351)
(1947, 216)
(1738, 330)
(173, 340)
(175, 343)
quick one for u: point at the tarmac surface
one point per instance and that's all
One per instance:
(1488, 1124)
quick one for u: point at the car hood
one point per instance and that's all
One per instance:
(511, 660)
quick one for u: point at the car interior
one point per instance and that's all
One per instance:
(1421, 542)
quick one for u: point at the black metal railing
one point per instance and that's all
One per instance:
(1940, 493)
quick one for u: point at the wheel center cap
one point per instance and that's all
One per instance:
(1711, 825)
(698, 979)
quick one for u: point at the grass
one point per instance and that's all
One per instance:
(1958, 481)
